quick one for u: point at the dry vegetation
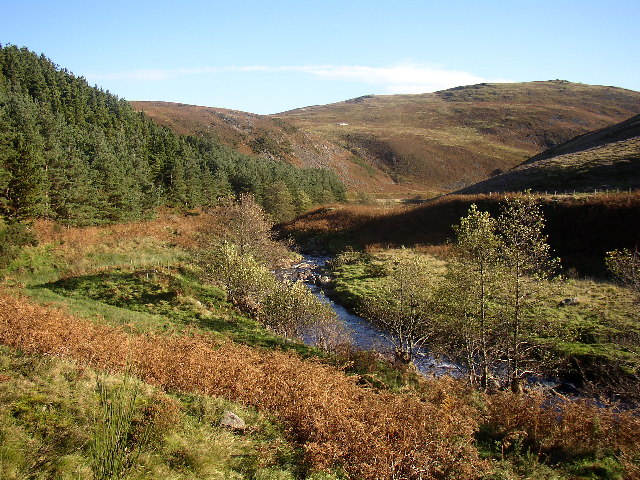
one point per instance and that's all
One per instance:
(581, 229)
(460, 136)
(371, 435)
(341, 425)
(435, 429)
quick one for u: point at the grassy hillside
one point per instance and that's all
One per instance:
(607, 159)
(268, 137)
(581, 229)
(409, 144)
(455, 137)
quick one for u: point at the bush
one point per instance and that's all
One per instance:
(14, 236)
(289, 309)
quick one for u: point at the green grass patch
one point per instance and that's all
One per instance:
(160, 300)
(600, 332)
(139, 252)
(51, 412)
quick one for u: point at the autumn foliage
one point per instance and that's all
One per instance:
(341, 425)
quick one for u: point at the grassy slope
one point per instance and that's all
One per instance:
(267, 136)
(51, 415)
(605, 159)
(152, 314)
(429, 142)
(461, 135)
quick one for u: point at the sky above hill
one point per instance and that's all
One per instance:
(271, 56)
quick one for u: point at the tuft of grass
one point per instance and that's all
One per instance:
(60, 420)
(115, 443)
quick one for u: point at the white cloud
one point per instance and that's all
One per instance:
(401, 78)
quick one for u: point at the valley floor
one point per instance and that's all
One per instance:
(100, 305)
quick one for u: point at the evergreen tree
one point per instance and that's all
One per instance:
(302, 202)
(75, 153)
(24, 162)
(278, 202)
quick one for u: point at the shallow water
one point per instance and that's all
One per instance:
(366, 336)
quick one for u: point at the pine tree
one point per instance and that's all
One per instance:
(302, 202)
(278, 202)
(24, 163)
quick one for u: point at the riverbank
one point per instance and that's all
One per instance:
(314, 270)
(100, 296)
(595, 346)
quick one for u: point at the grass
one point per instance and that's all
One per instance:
(340, 424)
(162, 300)
(461, 135)
(613, 166)
(137, 275)
(357, 276)
(598, 339)
(50, 414)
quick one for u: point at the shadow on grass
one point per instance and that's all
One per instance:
(178, 301)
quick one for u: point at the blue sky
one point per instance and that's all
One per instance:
(270, 56)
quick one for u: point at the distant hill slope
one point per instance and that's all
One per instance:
(269, 137)
(608, 158)
(462, 135)
(434, 141)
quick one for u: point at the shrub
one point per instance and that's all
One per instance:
(13, 237)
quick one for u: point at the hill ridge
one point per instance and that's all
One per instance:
(606, 159)
(431, 142)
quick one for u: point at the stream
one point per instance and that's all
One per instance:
(367, 336)
(363, 334)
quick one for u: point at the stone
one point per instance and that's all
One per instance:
(568, 302)
(232, 421)
(323, 280)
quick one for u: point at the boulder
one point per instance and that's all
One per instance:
(568, 302)
(232, 421)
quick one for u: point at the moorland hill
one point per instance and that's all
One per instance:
(426, 142)
(607, 159)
